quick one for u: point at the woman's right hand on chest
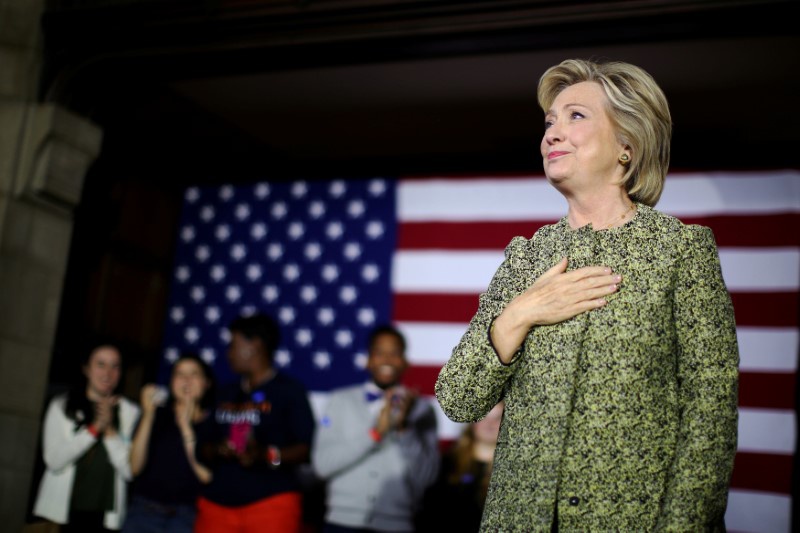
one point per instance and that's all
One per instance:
(557, 295)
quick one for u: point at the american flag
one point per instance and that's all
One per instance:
(332, 259)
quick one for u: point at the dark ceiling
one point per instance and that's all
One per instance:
(347, 87)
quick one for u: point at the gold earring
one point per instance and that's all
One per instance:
(624, 159)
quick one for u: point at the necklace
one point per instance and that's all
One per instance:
(623, 217)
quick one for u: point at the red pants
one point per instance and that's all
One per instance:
(281, 513)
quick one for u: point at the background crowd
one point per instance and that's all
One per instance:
(250, 455)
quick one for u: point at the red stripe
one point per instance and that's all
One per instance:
(775, 309)
(767, 390)
(476, 176)
(752, 230)
(421, 378)
(431, 307)
(763, 472)
(751, 471)
(463, 235)
(735, 231)
(756, 389)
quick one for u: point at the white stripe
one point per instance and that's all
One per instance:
(444, 272)
(731, 193)
(760, 269)
(533, 198)
(431, 343)
(760, 349)
(447, 429)
(766, 430)
(478, 199)
(760, 430)
(758, 512)
(744, 270)
(768, 349)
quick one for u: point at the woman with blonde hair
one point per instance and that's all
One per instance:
(609, 335)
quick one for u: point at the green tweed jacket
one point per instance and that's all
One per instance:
(623, 418)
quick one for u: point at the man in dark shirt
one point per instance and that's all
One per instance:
(263, 427)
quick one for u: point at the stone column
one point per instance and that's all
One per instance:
(45, 152)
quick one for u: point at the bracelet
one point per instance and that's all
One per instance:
(273, 457)
(375, 435)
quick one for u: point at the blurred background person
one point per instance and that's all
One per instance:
(376, 446)
(261, 433)
(455, 502)
(86, 445)
(168, 475)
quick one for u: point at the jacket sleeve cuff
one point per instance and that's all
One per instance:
(491, 343)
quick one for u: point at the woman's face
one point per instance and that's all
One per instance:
(188, 383)
(580, 149)
(103, 371)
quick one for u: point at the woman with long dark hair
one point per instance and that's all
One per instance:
(168, 474)
(86, 445)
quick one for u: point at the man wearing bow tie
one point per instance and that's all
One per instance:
(376, 446)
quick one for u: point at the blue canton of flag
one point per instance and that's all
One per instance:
(314, 255)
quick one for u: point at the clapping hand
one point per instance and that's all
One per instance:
(104, 415)
(403, 402)
(150, 397)
(397, 405)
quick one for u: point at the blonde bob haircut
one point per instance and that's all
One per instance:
(638, 110)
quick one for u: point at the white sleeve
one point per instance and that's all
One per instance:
(61, 444)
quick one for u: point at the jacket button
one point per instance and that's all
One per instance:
(574, 501)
